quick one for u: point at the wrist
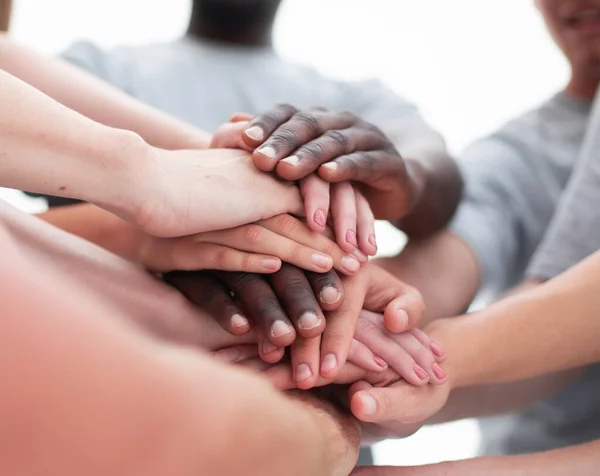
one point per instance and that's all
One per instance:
(126, 163)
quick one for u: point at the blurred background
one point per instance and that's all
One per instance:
(469, 65)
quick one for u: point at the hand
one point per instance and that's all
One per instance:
(255, 248)
(353, 219)
(340, 147)
(188, 192)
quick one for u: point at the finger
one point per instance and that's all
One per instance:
(438, 352)
(188, 254)
(261, 128)
(401, 403)
(309, 155)
(236, 354)
(210, 294)
(405, 312)
(257, 238)
(328, 288)
(365, 166)
(360, 355)
(240, 117)
(229, 136)
(269, 352)
(305, 362)
(298, 299)
(263, 306)
(292, 228)
(422, 356)
(365, 225)
(315, 193)
(300, 128)
(392, 351)
(343, 208)
(256, 365)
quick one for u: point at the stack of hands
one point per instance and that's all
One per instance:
(295, 292)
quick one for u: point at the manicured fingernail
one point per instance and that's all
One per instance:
(351, 237)
(350, 264)
(437, 350)
(309, 320)
(360, 256)
(280, 328)
(369, 404)
(330, 165)
(420, 372)
(292, 160)
(373, 240)
(330, 295)
(380, 362)
(268, 348)
(320, 218)
(238, 321)
(403, 318)
(438, 372)
(267, 152)
(255, 133)
(329, 363)
(303, 372)
(270, 263)
(322, 261)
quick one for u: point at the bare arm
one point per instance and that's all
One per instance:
(443, 268)
(91, 395)
(97, 100)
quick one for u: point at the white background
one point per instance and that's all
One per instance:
(469, 64)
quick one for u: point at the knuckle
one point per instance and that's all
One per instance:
(241, 281)
(313, 149)
(253, 234)
(364, 326)
(287, 224)
(349, 116)
(286, 109)
(285, 135)
(339, 137)
(310, 121)
(222, 258)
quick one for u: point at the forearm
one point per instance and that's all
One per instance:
(551, 327)
(47, 148)
(97, 226)
(92, 396)
(440, 181)
(98, 100)
(443, 268)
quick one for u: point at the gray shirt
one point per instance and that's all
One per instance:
(203, 83)
(516, 180)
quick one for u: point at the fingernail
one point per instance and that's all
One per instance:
(438, 372)
(329, 363)
(403, 318)
(270, 263)
(420, 372)
(238, 321)
(267, 152)
(380, 362)
(351, 237)
(268, 348)
(322, 261)
(303, 372)
(309, 320)
(350, 264)
(255, 133)
(320, 218)
(369, 405)
(437, 350)
(330, 165)
(373, 240)
(360, 256)
(330, 295)
(292, 160)
(280, 328)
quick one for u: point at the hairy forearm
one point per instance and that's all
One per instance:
(98, 100)
(443, 268)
